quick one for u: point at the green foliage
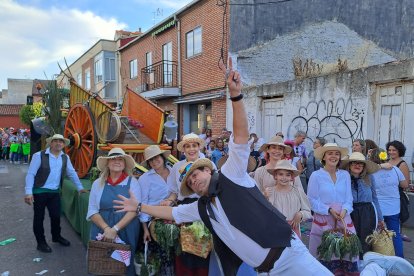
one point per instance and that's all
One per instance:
(199, 230)
(167, 234)
(27, 114)
(94, 174)
(38, 109)
(334, 243)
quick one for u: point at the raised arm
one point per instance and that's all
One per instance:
(234, 84)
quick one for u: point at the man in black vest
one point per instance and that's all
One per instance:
(245, 226)
(43, 182)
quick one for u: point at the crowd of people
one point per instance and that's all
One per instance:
(15, 145)
(254, 213)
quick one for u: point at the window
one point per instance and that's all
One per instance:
(148, 62)
(133, 69)
(193, 42)
(88, 79)
(79, 79)
(98, 71)
(110, 69)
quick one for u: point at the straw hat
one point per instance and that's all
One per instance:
(370, 167)
(284, 165)
(152, 151)
(102, 161)
(320, 152)
(187, 169)
(58, 137)
(276, 140)
(190, 138)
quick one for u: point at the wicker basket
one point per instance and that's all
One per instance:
(100, 261)
(381, 242)
(193, 246)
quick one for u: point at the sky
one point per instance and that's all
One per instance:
(35, 35)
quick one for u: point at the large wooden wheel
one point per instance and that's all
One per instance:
(79, 128)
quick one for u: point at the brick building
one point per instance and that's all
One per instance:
(9, 116)
(175, 64)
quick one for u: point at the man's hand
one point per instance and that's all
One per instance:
(233, 78)
(28, 199)
(126, 204)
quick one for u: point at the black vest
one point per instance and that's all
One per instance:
(248, 211)
(44, 170)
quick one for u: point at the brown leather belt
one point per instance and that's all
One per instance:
(271, 258)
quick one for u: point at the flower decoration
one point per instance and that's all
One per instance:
(135, 123)
(383, 156)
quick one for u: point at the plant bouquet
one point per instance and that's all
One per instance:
(339, 242)
(146, 263)
(196, 239)
(166, 233)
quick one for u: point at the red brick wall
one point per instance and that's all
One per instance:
(218, 111)
(201, 72)
(168, 105)
(11, 121)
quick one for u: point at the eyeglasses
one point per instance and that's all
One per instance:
(185, 171)
(361, 164)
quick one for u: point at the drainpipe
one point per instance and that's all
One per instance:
(179, 52)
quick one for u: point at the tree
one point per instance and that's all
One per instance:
(27, 114)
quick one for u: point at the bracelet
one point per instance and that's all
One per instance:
(116, 228)
(236, 98)
(138, 210)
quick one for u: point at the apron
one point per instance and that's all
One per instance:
(130, 233)
(364, 218)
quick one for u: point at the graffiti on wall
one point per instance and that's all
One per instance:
(251, 121)
(337, 121)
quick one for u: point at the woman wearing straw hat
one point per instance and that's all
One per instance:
(115, 179)
(330, 195)
(190, 145)
(154, 189)
(275, 151)
(290, 201)
(367, 211)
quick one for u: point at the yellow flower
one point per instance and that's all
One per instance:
(383, 156)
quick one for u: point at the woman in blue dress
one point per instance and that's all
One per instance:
(115, 179)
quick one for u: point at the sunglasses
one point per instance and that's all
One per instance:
(358, 163)
(185, 171)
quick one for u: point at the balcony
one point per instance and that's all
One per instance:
(159, 80)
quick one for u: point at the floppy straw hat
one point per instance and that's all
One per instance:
(102, 161)
(187, 169)
(284, 165)
(151, 152)
(320, 152)
(370, 167)
(58, 137)
(190, 138)
(276, 140)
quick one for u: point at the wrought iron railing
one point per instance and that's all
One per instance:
(159, 75)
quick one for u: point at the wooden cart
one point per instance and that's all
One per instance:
(92, 125)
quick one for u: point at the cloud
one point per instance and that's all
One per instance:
(34, 39)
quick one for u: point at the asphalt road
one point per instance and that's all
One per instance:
(16, 222)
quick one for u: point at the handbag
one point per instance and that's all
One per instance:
(100, 261)
(381, 242)
(404, 205)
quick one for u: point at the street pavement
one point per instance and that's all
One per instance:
(16, 222)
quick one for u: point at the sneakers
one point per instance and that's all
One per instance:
(393, 265)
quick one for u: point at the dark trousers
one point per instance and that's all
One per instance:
(51, 201)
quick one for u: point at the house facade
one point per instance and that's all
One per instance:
(175, 64)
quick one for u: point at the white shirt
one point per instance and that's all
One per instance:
(97, 190)
(234, 169)
(322, 192)
(386, 185)
(153, 189)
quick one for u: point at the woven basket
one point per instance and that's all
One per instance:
(100, 261)
(193, 246)
(381, 242)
